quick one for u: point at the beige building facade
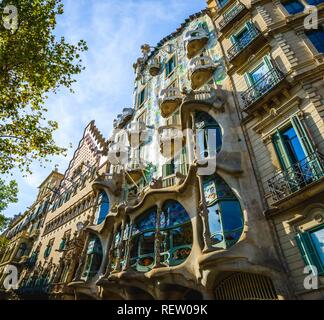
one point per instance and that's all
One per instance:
(190, 197)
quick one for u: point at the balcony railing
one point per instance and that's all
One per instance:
(231, 15)
(297, 177)
(243, 43)
(260, 88)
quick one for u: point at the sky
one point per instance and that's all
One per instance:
(114, 31)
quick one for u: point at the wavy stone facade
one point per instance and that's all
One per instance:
(172, 205)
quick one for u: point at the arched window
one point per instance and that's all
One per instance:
(224, 213)
(94, 258)
(103, 207)
(209, 135)
(175, 237)
(176, 233)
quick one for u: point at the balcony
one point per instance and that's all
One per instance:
(154, 68)
(264, 89)
(171, 140)
(238, 11)
(113, 182)
(117, 154)
(249, 44)
(137, 133)
(174, 175)
(298, 177)
(201, 69)
(123, 118)
(195, 41)
(135, 170)
(170, 100)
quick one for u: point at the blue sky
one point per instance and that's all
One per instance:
(114, 31)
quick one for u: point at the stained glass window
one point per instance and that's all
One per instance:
(224, 213)
(176, 237)
(103, 207)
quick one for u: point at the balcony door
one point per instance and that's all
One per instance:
(296, 153)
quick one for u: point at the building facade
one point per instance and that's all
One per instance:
(274, 53)
(181, 202)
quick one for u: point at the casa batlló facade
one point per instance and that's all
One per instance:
(196, 194)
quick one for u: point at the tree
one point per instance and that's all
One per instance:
(33, 62)
(8, 194)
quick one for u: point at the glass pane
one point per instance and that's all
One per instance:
(182, 236)
(231, 215)
(257, 74)
(318, 241)
(293, 7)
(174, 215)
(215, 225)
(317, 39)
(147, 243)
(293, 145)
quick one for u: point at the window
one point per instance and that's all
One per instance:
(170, 66)
(244, 36)
(292, 144)
(293, 6)
(224, 213)
(222, 3)
(22, 251)
(209, 135)
(94, 258)
(48, 249)
(314, 2)
(103, 207)
(311, 246)
(317, 39)
(175, 242)
(141, 97)
(65, 240)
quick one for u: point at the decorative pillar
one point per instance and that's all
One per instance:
(120, 248)
(60, 269)
(82, 259)
(129, 244)
(157, 243)
(203, 212)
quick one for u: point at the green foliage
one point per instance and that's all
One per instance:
(8, 194)
(33, 62)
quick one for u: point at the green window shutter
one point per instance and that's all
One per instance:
(281, 151)
(301, 132)
(308, 251)
(233, 39)
(249, 25)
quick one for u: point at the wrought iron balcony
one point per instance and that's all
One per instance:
(297, 177)
(240, 50)
(201, 69)
(196, 41)
(262, 87)
(234, 14)
(137, 133)
(170, 100)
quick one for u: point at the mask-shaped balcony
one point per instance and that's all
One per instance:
(271, 84)
(201, 70)
(137, 133)
(123, 118)
(238, 11)
(117, 154)
(154, 68)
(170, 100)
(113, 182)
(196, 41)
(135, 170)
(242, 49)
(171, 140)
